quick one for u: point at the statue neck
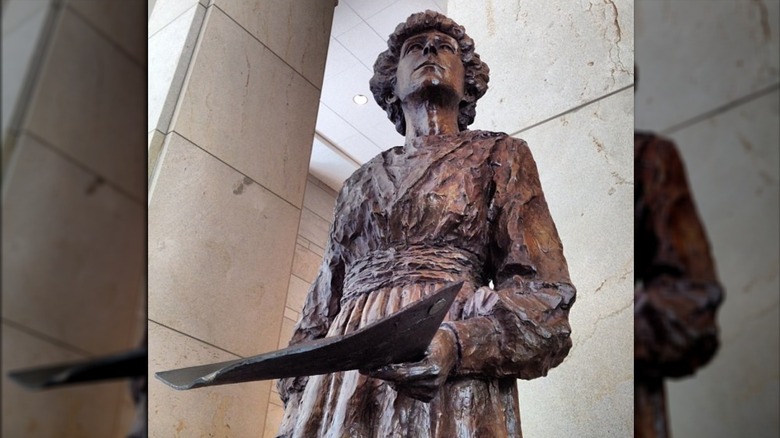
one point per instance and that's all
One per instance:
(429, 118)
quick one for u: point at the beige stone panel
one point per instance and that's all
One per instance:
(693, 59)
(296, 31)
(121, 20)
(220, 251)
(319, 199)
(246, 106)
(89, 104)
(170, 52)
(314, 228)
(586, 167)
(219, 411)
(585, 162)
(296, 293)
(547, 57)
(317, 250)
(733, 166)
(87, 410)
(291, 314)
(273, 419)
(288, 325)
(73, 252)
(306, 264)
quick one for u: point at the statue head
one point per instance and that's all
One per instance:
(384, 80)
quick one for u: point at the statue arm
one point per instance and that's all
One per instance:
(676, 300)
(521, 328)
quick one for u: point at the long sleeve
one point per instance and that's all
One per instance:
(521, 328)
(678, 293)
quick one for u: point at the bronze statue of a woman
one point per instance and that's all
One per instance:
(449, 205)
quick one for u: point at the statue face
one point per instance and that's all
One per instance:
(430, 59)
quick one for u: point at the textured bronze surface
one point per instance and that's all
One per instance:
(448, 205)
(403, 336)
(677, 292)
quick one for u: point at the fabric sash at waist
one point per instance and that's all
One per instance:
(391, 267)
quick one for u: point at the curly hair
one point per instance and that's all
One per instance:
(382, 84)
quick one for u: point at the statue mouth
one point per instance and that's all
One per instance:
(429, 64)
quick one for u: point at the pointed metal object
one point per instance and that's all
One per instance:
(117, 366)
(401, 337)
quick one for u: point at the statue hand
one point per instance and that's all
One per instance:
(422, 380)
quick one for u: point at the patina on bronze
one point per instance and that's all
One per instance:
(677, 292)
(449, 205)
(401, 337)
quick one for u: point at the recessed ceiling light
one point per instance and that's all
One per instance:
(360, 99)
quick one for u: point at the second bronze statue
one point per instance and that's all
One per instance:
(449, 205)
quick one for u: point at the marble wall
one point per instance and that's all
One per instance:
(562, 79)
(233, 93)
(73, 207)
(709, 80)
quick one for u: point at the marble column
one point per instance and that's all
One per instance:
(233, 93)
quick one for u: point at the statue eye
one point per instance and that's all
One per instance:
(447, 46)
(413, 47)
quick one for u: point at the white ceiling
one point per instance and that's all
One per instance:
(348, 134)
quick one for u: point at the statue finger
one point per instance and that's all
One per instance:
(393, 372)
(421, 373)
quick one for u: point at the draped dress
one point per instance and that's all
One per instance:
(465, 206)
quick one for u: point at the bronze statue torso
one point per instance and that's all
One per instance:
(410, 211)
(407, 222)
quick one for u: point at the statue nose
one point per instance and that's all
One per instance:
(429, 48)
